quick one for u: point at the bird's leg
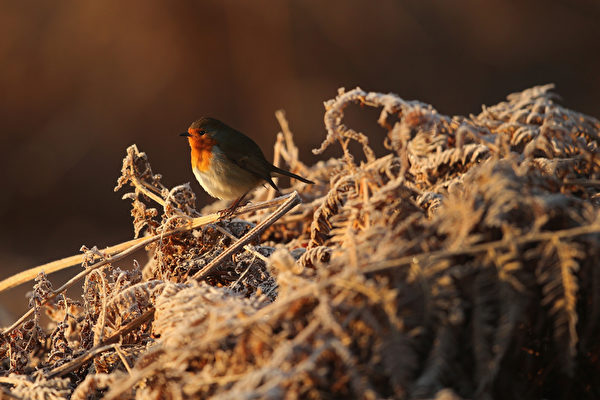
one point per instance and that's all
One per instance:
(231, 209)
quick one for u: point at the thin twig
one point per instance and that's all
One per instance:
(289, 151)
(145, 189)
(276, 161)
(292, 200)
(582, 182)
(122, 357)
(54, 266)
(5, 391)
(250, 249)
(243, 275)
(434, 255)
(105, 345)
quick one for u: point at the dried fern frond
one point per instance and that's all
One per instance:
(461, 264)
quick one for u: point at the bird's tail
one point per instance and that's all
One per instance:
(291, 175)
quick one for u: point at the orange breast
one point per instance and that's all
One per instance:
(201, 151)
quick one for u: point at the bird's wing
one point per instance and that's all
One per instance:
(237, 150)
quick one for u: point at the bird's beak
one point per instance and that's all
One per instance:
(184, 134)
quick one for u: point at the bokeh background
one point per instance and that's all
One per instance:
(82, 80)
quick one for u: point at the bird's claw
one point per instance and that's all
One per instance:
(228, 212)
(225, 214)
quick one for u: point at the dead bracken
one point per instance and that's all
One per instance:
(461, 264)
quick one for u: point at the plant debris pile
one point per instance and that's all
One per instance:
(460, 264)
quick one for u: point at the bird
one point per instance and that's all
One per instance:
(227, 163)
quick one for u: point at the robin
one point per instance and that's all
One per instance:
(227, 163)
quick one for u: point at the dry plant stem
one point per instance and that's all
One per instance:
(285, 127)
(144, 189)
(11, 381)
(582, 182)
(123, 358)
(131, 247)
(247, 247)
(117, 391)
(76, 363)
(106, 344)
(243, 275)
(289, 141)
(4, 392)
(276, 162)
(54, 266)
(292, 200)
(533, 237)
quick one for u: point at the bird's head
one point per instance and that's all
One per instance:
(201, 127)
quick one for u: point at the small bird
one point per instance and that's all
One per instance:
(227, 163)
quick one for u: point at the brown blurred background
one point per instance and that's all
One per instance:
(82, 80)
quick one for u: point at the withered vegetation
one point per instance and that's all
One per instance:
(461, 264)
